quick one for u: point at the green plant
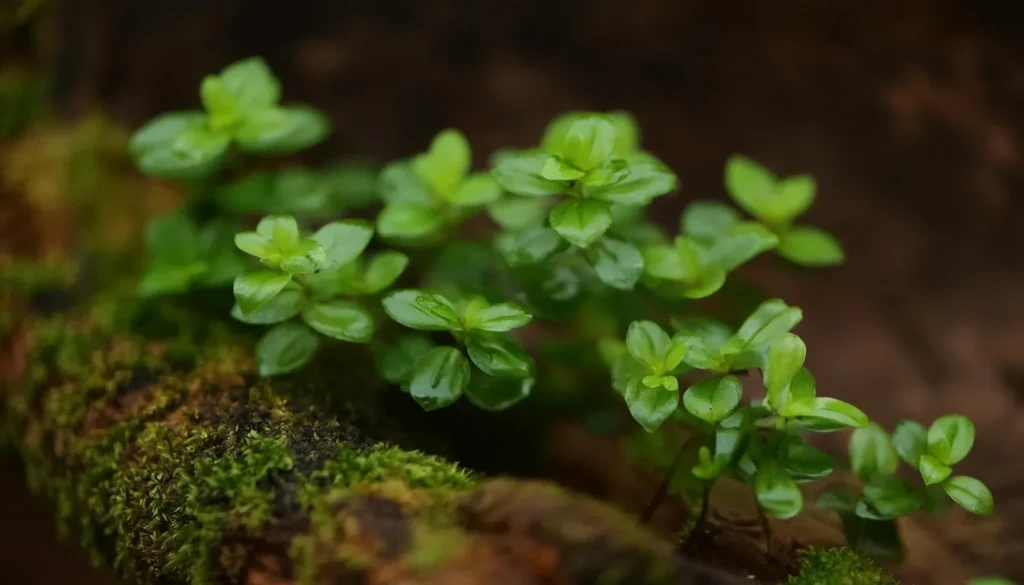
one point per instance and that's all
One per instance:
(583, 265)
(313, 278)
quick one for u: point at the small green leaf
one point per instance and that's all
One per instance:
(830, 414)
(221, 106)
(581, 221)
(395, 362)
(173, 240)
(706, 221)
(932, 470)
(786, 356)
(871, 453)
(439, 377)
(500, 317)
(498, 355)
(255, 289)
(950, 438)
(406, 220)
(587, 143)
(714, 399)
(741, 244)
(340, 320)
(251, 83)
(305, 257)
(793, 195)
(343, 241)
(612, 172)
(618, 264)
(810, 246)
(519, 172)
(770, 320)
(650, 406)
(515, 213)
(277, 130)
(529, 246)
(383, 270)
(970, 494)
(477, 189)
(556, 169)
(648, 343)
(625, 369)
(285, 348)
(256, 245)
(446, 163)
(798, 397)
(750, 185)
(399, 183)
(891, 496)
(282, 230)
(496, 394)
(422, 310)
(664, 262)
(777, 493)
(648, 178)
(283, 306)
(910, 439)
(627, 132)
(172, 146)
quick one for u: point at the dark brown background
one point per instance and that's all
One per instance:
(908, 113)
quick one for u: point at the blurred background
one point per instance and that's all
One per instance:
(908, 113)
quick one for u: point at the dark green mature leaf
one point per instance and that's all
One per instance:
(625, 369)
(970, 494)
(891, 496)
(285, 348)
(255, 289)
(408, 221)
(173, 240)
(283, 306)
(395, 362)
(581, 221)
(871, 453)
(810, 246)
(166, 279)
(439, 377)
(910, 439)
(647, 179)
(529, 246)
(498, 355)
(421, 310)
(805, 463)
(618, 264)
(340, 320)
(932, 470)
(519, 172)
(496, 394)
(282, 130)
(777, 493)
(343, 241)
(714, 399)
(650, 406)
(950, 438)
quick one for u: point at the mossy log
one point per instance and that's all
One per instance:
(172, 461)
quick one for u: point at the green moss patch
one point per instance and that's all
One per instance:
(839, 566)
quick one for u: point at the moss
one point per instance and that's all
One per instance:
(839, 566)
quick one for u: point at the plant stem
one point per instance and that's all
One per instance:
(766, 528)
(705, 506)
(659, 496)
